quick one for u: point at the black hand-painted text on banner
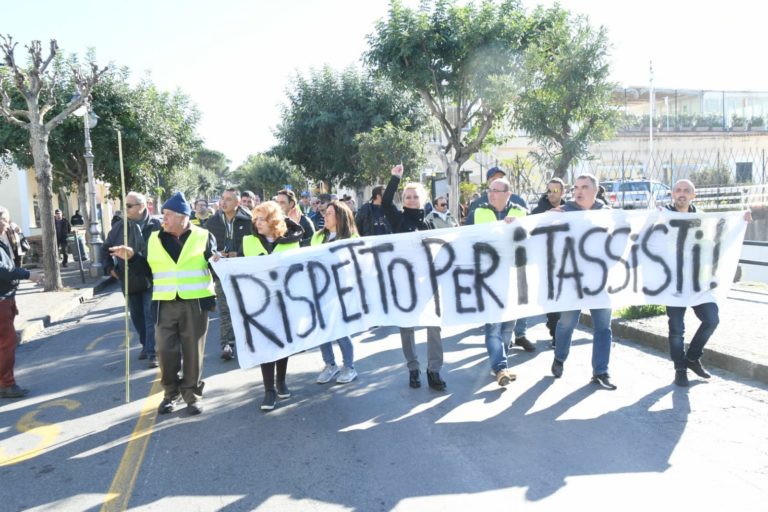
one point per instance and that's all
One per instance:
(292, 301)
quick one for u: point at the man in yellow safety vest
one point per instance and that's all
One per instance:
(183, 294)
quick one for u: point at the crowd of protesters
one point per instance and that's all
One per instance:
(172, 289)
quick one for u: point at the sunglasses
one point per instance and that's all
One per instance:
(442, 204)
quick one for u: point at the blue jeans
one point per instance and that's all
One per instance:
(143, 318)
(347, 352)
(708, 314)
(601, 340)
(521, 325)
(497, 338)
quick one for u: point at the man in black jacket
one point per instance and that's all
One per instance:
(63, 229)
(228, 225)
(10, 276)
(552, 199)
(370, 218)
(140, 226)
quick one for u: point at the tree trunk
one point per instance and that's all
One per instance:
(38, 139)
(453, 176)
(452, 173)
(562, 169)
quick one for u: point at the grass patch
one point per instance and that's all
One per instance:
(645, 311)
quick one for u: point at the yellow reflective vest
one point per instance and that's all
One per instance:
(189, 277)
(252, 246)
(317, 238)
(484, 214)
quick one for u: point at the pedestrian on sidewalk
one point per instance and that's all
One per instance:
(683, 193)
(410, 219)
(63, 229)
(585, 198)
(77, 219)
(339, 225)
(272, 232)
(552, 199)
(140, 226)
(183, 296)
(10, 275)
(228, 225)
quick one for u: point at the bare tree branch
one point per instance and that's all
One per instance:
(85, 86)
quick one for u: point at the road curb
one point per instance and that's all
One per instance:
(739, 366)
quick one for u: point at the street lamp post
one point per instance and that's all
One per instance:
(89, 121)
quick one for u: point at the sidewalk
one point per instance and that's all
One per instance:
(739, 345)
(39, 309)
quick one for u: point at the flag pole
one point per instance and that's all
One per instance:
(125, 275)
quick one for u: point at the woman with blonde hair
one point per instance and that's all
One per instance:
(272, 233)
(339, 225)
(411, 218)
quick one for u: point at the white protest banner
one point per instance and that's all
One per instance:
(287, 302)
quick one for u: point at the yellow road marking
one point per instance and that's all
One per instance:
(101, 338)
(120, 491)
(47, 432)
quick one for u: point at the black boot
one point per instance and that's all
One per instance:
(681, 378)
(414, 380)
(434, 381)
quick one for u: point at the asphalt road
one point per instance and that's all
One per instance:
(376, 444)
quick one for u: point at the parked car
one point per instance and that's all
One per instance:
(629, 194)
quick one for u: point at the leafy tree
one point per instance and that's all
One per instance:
(565, 103)
(462, 61)
(519, 171)
(266, 174)
(37, 85)
(386, 145)
(170, 140)
(327, 110)
(158, 131)
(218, 164)
(196, 181)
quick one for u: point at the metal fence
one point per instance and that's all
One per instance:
(724, 178)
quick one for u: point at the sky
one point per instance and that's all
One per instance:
(235, 58)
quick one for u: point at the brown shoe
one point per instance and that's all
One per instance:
(504, 377)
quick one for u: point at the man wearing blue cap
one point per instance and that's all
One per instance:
(183, 294)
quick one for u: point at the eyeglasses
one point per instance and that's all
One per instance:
(129, 206)
(442, 204)
(498, 191)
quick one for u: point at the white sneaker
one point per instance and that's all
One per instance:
(347, 375)
(329, 372)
